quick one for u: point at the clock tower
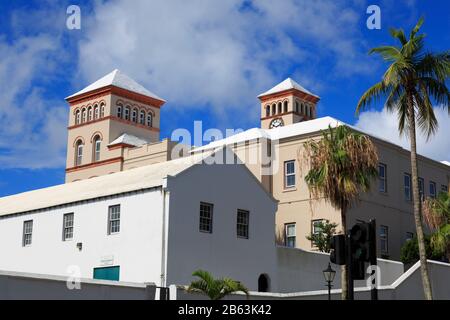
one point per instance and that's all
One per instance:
(287, 103)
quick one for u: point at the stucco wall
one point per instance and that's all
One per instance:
(136, 249)
(228, 187)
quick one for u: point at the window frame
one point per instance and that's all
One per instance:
(27, 232)
(126, 114)
(119, 112)
(149, 120)
(97, 148)
(444, 188)
(209, 219)
(111, 220)
(245, 225)
(66, 227)
(287, 236)
(432, 183)
(382, 178)
(384, 237)
(288, 175)
(409, 196)
(313, 226)
(78, 154)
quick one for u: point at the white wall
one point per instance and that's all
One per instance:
(228, 187)
(300, 270)
(136, 249)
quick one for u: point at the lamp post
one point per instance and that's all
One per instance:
(329, 275)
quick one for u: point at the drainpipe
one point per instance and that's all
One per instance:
(164, 233)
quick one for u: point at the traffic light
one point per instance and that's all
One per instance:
(360, 249)
(337, 249)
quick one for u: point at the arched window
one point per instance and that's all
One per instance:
(127, 113)
(79, 153)
(77, 117)
(89, 114)
(279, 107)
(302, 109)
(267, 110)
(149, 120)
(296, 106)
(263, 283)
(285, 105)
(97, 143)
(134, 115)
(96, 112)
(307, 110)
(102, 110)
(119, 111)
(273, 109)
(142, 117)
(83, 116)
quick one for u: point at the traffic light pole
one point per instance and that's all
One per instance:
(373, 258)
(350, 287)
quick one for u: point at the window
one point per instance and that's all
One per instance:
(290, 235)
(96, 112)
(409, 236)
(79, 153)
(296, 106)
(242, 223)
(119, 112)
(127, 113)
(27, 232)
(444, 188)
(142, 117)
(316, 229)
(407, 186)
(384, 239)
(134, 116)
(421, 189)
(97, 148)
(114, 219)
(149, 120)
(107, 273)
(432, 189)
(267, 111)
(382, 185)
(90, 114)
(279, 107)
(285, 106)
(289, 174)
(68, 226)
(273, 109)
(102, 111)
(206, 217)
(83, 116)
(77, 117)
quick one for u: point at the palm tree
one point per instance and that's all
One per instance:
(342, 165)
(215, 289)
(411, 80)
(437, 217)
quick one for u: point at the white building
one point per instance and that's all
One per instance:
(157, 223)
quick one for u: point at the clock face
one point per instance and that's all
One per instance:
(276, 123)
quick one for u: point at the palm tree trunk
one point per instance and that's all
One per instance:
(417, 205)
(344, 268)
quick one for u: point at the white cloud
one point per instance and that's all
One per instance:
(385, 125)
(219, 53)
(32, 127)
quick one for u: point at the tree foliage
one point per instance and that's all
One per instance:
(215, 289)
(322, 239)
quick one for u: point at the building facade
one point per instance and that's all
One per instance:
(145, 225)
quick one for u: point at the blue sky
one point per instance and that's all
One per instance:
(208, 59)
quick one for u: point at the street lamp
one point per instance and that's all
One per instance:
(329, 275)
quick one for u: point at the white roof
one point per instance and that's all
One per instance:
(129, 139)
(295, 129)
(286, 85)
(125, 181)
(118, 79)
